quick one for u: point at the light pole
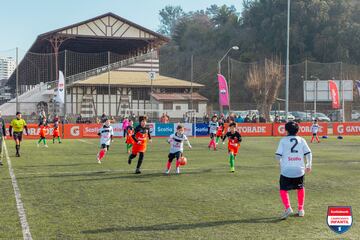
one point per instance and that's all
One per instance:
(287, 61)
(219, 63)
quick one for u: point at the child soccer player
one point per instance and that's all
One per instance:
(140, 136)
(56, 133)
(233, 144)
(314, 129)
(219, 131)
(129, 131)
(106, 134)
(291, 152)
(176, 141)
(213, 126)
(43, 127)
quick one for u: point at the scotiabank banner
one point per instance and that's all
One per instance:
(347, 128)
(304, 129)
(34, 131)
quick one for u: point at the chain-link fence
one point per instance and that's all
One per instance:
(35, 80)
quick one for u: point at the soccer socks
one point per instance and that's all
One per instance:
(17, 147)
(131, 157)
(301, 198)
(284, 195)
(128, 147)
(177, 163)
(168, 165)
(101, 154)
(212, 143)
(232, 160)
(40, 140)
(141, 158)
(317, 139)
(217, 140)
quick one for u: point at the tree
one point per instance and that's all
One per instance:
(264, 81)
(169, 16)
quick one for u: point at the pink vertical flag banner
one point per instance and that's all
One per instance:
(223, 91)
(334, 93)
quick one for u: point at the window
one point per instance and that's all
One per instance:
(195, 106)
(178, 107)
(168, 106)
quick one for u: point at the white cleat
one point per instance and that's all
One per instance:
(99, 162)
(37, 145)
(177, 171)
(46, 146)
(167, 171)
(287, 213)
(301, 213)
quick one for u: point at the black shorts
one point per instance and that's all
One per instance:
(212, 135)
(176, 155)
(314, 134)
(291, 183)
(17, 136)
(103, 146)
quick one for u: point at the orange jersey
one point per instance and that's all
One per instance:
(234, 142)
(129, 133)
(140, 139)
(56, 132)
(42, 131)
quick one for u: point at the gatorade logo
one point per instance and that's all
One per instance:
(75, 131)
(340, 129)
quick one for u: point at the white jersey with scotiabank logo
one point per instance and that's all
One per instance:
(105, 134)
(291, 151)
(213, 126)
(177, 142)
(315, 128)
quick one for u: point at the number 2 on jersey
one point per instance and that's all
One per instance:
(295, 144)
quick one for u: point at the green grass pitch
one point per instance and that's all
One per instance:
(67, 195)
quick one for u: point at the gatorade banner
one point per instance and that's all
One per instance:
(253, 129)
(349, 128)
(304, 129)
(34, 130)
(334, 93)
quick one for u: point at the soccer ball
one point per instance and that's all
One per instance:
(183, 161)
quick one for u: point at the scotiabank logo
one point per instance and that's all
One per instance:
(91, 130)
(75, 131)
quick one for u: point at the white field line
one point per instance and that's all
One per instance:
(19, 204)
(84, 141)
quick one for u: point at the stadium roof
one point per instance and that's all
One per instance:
(105, 33)
(95, 32)
(135, 79)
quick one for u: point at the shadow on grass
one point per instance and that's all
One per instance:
(173, 227)
(106, 175)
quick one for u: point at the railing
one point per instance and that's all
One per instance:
(112, 66)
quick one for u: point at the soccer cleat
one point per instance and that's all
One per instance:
(37, 145)
(99, 161)
(287, 213)
(17, 155)
(46, 146)
(177, 171)
(137, 171)
(301, 213)
(232, 169)
(1, 163)
(167, 171)
(129, 161)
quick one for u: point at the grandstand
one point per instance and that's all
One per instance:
(105, 61)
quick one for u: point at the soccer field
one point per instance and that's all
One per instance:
(67, 195)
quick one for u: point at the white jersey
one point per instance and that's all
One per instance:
(105, 134)
(315, 128)
(291, 152)
(177, 142)
(213, 126)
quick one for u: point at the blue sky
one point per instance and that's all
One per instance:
(22, 20)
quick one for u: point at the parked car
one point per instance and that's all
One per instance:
(320, 117)
(301, 116)
(355, 115)
(282, 115)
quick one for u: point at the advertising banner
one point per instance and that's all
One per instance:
(304, 129)
(200, 129)
(164, 129)
(188, 128)
(347, 128)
